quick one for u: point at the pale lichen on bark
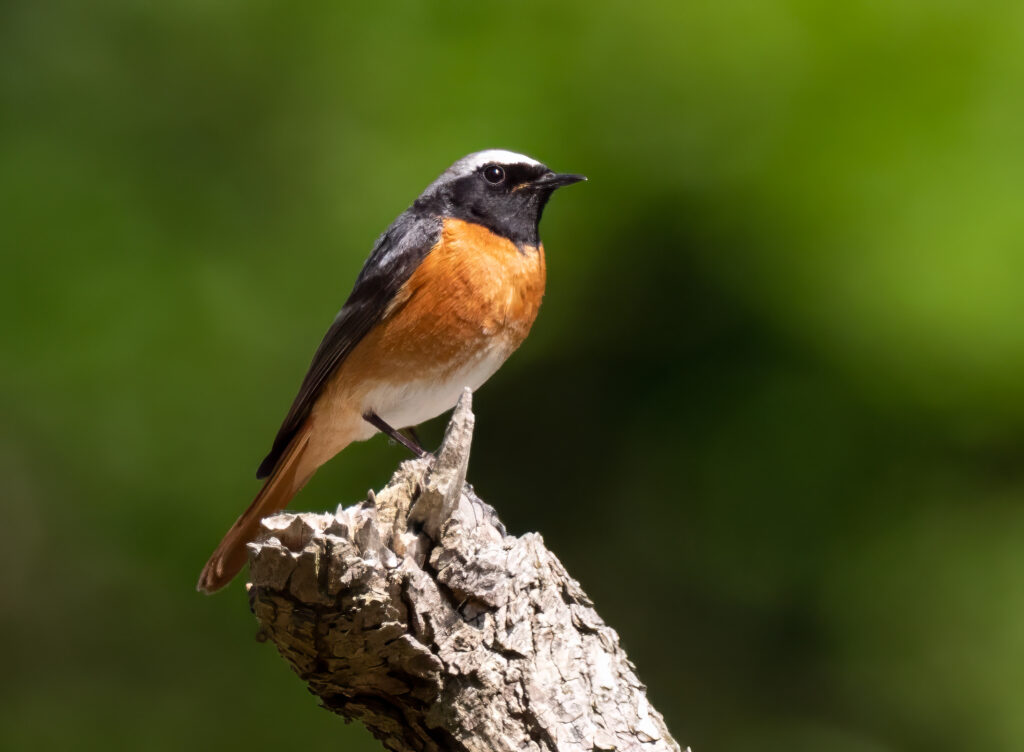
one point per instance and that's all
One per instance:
(417, 614)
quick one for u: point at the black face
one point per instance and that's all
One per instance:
(508, 199)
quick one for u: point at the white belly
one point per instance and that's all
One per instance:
(416, 400)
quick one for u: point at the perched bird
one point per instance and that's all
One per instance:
(450, 289)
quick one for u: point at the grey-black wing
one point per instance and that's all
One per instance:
(396, 255)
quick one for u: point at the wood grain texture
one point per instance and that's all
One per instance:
(417, 614)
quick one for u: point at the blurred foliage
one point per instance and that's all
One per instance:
(783, 331)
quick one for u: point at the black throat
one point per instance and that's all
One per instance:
(512, 210)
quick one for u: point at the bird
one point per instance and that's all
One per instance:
(449, 291)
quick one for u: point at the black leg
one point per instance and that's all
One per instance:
(410, 431)
(377, 422)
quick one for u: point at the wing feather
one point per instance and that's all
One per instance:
(395, 256)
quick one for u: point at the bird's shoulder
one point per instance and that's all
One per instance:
(395, 257)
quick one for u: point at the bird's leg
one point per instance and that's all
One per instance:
(410, 431)
(377, 422)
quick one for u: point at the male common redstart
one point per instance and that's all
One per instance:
(449, 291)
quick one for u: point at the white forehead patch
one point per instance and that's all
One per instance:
(475, 161)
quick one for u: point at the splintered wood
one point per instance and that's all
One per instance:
(415, 613)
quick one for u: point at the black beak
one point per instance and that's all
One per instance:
(554, 180)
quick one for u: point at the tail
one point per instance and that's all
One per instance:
(284, 482)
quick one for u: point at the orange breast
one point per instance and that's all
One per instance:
(475, 290)
(470, 303)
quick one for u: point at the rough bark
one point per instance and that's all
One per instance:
(417, 614)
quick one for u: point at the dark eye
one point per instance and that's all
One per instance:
(494, 174)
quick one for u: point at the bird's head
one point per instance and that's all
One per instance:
(501, 190)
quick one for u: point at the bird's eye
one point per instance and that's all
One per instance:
(494, 174)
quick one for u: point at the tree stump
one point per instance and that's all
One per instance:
(417, 614)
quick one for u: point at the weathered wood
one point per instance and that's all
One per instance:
(417, 614)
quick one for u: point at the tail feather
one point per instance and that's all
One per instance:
(285, 481)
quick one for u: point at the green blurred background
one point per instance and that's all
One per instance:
(771, 415)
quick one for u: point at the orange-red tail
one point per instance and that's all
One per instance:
(284, 482)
